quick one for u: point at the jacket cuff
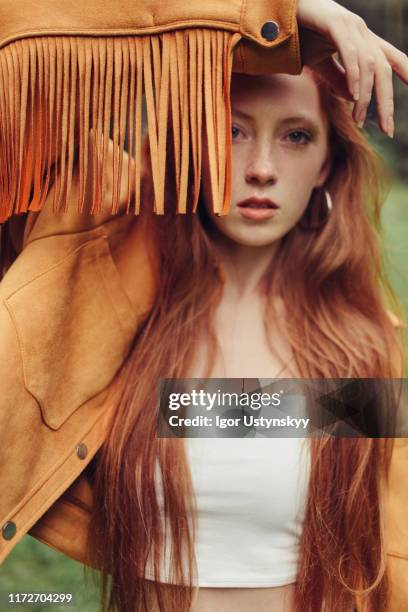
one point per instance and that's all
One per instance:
(270, 42)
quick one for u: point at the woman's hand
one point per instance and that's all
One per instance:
(366, 59)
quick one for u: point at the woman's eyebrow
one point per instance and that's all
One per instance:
(301, 118)
(240, 113)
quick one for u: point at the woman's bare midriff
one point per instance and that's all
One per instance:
(278, 599)
(208, 599)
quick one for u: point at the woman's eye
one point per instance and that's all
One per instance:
(232, 130)
(299, 137)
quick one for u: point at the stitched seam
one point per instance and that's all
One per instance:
(21, 350)
(76, 503)
(295, 34)
(55, 265)
(241, 51)
(97, 230)
(48, 421)
(54, 468)
(251, 36)
(170, 25)
(43, 541)
(292, 11)
(45, 506)
(51, 424)
(118, 279)
(242, 15)
(243, 57)
(403, 556)
(112, 301)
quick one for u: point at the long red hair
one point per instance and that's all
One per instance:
(333, 284)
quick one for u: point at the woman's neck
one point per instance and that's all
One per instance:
(244, 267)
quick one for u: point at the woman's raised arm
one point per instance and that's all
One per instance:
(68, 69)
(368, 60)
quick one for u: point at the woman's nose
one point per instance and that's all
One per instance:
(262, 167)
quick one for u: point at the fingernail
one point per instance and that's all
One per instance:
(361, 118)
(390, 127)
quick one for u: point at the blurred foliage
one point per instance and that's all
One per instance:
(395, 247)
(395, 222)
(34, 567)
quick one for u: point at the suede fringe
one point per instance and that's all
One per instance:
(62, 96)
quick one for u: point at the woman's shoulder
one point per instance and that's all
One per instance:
(48, 222)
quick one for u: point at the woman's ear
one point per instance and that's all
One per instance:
(324, 171)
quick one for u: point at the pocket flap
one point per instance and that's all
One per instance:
(75, 324)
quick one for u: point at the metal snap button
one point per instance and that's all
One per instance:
(270, 30)
(81, 450)
(9, 530)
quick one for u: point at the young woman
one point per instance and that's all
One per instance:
(289, 284)
(66, 323)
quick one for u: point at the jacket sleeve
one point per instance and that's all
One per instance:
(96, 67)
(65, 525)
(67, 320)
(396, 496)
(269, 24)
(397, 526)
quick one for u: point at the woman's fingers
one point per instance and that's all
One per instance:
(362, 48)
(396, 58)
(375, 72)
(384, 93)
(368, 60)
(367, 71)
(349, 55)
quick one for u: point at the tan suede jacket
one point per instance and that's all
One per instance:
(88, 62)
(60, 317)
(69, 307)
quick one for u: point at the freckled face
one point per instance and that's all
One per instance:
(279, 151)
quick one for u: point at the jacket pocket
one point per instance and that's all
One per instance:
(74, 323)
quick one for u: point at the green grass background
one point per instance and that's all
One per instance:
(34, 566)
(395, 223)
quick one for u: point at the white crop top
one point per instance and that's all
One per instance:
(251, 495)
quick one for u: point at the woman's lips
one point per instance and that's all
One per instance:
(257, 209)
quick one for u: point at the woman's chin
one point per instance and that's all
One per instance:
(253, 237)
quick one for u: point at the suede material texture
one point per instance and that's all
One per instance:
(73, 69)
(65, 301)
(102, 17)
(70, 297)
(66, 324)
